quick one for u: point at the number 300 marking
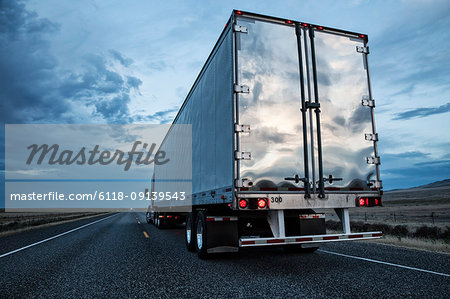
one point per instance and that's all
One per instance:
(277, 199)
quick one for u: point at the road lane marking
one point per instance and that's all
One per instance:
(139, 222)
(145, 234)
(54, 237)
(385, 263)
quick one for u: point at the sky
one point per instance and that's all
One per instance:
(84, 62)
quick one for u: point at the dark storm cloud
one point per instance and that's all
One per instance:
(422, 112)
(24, 59)
(134, 82)
(35, 88)
(16, 22)
(120, 58)
(115, 108)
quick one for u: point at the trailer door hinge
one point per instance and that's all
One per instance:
(241, 128)
(373, 160)
(243, 155)
(366, 101)
(372, 137)
(241, 88)
(239, 28)
(243, 183)
(376, 184)
(361, 49)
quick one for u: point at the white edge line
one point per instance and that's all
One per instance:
(54, 237)
(384, 263)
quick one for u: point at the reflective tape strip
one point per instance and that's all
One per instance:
(355, 236)
(221, 218)
(248, 242)
(308, 239)
(303, 239)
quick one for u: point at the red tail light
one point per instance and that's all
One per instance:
(243, 203)
(262, 203)
(368, 202)
(239, 12)
(288, 22)
(362, 202)
(320, 27)
(305, 25)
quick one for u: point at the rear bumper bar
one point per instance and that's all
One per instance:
(247, 242)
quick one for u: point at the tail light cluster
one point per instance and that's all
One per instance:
(368, 202)
(261, 203)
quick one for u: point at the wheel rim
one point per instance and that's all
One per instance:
(188, 235)
(188, 231)
(199, 235)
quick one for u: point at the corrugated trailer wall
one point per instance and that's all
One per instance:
(209, 109)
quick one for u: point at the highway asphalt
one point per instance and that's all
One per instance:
(121, 256)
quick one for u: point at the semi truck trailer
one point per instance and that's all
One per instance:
(282, 119)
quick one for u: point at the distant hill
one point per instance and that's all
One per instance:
(444, 183)
(437, 191)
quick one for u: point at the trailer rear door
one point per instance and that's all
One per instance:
(345, 121)
(267, 61)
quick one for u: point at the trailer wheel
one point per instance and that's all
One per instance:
(189, 232)
(201, 235)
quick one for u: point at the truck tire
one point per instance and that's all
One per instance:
(201, 235)
(189, 232)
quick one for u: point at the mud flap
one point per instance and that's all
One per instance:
(222, 234)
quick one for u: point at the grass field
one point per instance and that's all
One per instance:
(15, 221)
(417, 217)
